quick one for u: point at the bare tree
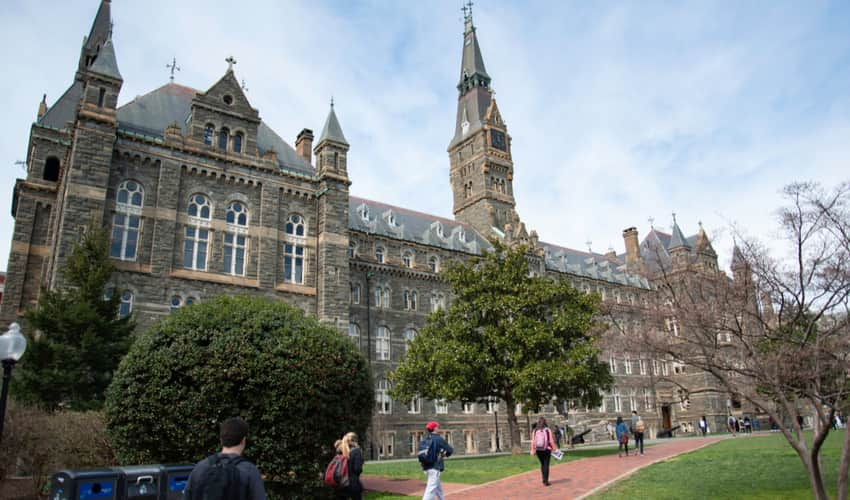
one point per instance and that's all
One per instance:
(777, 334)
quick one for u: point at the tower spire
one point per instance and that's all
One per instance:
(474, 83)
(101, 31)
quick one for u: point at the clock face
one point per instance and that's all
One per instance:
(497, 139)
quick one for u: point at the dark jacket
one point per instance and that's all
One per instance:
(444, 449)
(355, 468)
(251, 484)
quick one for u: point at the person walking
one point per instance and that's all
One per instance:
(543, 444)
(557, 434)
(640, 427)
(703, 425)
(211, 475)
(349, 448)
(622, 431)
(633, 425)
(434, 487)
(730, 423)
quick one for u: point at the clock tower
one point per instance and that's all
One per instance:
(480, 153)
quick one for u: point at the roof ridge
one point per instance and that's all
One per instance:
(410, 211)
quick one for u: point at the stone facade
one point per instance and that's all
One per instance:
(202, 199)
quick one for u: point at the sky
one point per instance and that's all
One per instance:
(619, 112)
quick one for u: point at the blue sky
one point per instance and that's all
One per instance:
(619, 111)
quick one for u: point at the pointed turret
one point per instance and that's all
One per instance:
(677, 239)
(739, 263)
(332, 131)
(332, 149)
(106, 63)
(101, 30)
(474, 93)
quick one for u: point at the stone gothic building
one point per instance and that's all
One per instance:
(202, 197)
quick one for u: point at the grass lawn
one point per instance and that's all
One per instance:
(476, 470)
(753, 467)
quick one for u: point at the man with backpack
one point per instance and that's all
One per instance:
(432, 449)
(226, 475)
(640, 427)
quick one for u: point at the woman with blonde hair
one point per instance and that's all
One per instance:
(349, 449)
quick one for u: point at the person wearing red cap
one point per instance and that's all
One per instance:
(434, 488)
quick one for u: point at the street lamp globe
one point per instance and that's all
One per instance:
(12, 344)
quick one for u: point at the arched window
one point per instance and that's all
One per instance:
(355, 293)
(295, 225)
(235, 240)
(51, 169)
(407, 259)
(382, 343)
(199, 206)
(197, 235)
(410, 297)
(209, 131)
(237, 214)
(379, 255)
(293, 250)
(382, 397)
(237, 142)
(352, 249)
(434, 264)
(127, 220)
(175, 303)
(409, 335)
(618, 401)
(354, 332)
(223, 137)
(126, 306)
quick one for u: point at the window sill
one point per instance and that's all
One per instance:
(215, 278)
(293, 288)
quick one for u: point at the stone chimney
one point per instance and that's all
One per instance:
(304, 145)
(633, 258)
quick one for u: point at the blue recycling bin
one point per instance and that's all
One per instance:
(96, 484)
(174, 479)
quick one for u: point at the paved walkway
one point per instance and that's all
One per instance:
(575, 479)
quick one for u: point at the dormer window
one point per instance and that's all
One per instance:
(223, 137)
(237, 142)
(461, 234)
(439, 228)
(391, 221)
(209, 130)
(364, 213)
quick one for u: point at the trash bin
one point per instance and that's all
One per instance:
(96, 484)
(140, 482)
(174, 479)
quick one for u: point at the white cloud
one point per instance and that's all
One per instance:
(618, 111)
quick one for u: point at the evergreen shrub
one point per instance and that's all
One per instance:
(299, 384)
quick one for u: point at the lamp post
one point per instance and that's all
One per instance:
(12, 347)
(496, 419)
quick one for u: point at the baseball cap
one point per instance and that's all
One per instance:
(431, 426)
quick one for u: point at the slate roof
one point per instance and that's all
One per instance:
(105, 64)
(64, 110)
(678, 239)
(100, 27)
(408, 225)
(332, 131)
(151, 113)
(655, 247)
(590, 265)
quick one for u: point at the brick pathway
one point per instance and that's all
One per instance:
(576, 479)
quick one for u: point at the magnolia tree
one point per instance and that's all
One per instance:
(507, 336)
(776, 335)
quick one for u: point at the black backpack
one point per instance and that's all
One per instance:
(220, 481)
(427, 452)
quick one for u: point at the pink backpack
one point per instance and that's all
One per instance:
(541, 439)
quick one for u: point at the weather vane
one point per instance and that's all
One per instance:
(651, 222)
(174, 67)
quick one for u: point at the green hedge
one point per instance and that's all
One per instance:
(299, 384)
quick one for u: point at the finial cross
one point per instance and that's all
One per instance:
(674, 217)
(174, 67)
(230, 62)
(651, 222)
